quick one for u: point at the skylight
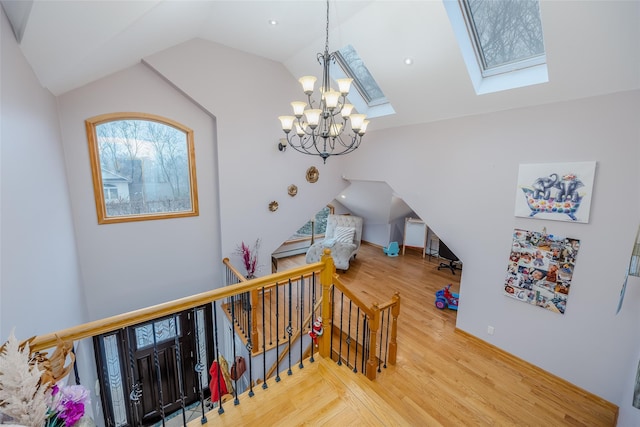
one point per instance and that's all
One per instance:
(368, 98)
(501, 42)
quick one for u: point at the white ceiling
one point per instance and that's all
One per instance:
(593, 47)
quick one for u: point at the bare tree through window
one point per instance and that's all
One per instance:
(143, 167)
(507, 31)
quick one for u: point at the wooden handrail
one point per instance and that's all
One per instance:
(328, 278)
(353, 297)
(395, 300)
(234, 270)
(113, 323)
(373, 314)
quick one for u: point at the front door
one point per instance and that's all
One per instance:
(161, 371)
(143, 377)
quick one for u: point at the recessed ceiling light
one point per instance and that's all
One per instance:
(343, 196)
(408, 61)
(273, 22)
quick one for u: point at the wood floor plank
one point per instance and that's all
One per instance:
(443, 377)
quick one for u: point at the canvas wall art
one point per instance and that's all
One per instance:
(540, 269)
(555, 191)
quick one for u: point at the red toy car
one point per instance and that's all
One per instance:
(446, 299)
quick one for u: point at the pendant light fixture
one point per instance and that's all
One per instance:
(324, 127)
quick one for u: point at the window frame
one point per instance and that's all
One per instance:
(504, 67)
(360, 98)
(96, 171)
(508, 76)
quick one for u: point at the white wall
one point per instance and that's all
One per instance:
(472, 209)
(247, 94)
(40, 287)
(378, 234)
(131, 265)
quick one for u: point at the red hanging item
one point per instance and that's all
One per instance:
(217, 384)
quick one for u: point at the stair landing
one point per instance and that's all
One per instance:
(321, 393)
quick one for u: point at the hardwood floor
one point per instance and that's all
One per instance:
(442, 376)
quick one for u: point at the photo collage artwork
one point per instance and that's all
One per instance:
(540, 269)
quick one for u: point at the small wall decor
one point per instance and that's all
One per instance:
(292, 190)
(273, 206)
(540, 269)
(556, 191)
(312, 174)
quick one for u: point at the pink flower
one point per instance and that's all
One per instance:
(249, 257)
(72, 412)
(68, 404)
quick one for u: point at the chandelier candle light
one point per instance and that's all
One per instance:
(321, 129)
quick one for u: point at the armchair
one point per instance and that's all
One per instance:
(342, 236)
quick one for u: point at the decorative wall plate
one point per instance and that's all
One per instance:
(312, 174)
(273, 206)
(292, 190)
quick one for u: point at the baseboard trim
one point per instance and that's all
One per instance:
(597, 400)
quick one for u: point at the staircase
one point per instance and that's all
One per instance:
(437, 374)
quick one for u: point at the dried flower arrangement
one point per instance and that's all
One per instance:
(249, 257)
(29, 393)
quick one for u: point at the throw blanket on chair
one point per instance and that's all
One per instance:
(342, 236)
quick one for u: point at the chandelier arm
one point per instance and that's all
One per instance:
(354, 143)
(304, 127)
(314, 145)
(350, 144)
(306, 144)
(310, 153)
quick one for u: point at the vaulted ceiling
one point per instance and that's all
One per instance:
(593, 47)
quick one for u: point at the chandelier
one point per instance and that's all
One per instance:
(326, 127)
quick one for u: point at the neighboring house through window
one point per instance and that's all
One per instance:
(116, 187)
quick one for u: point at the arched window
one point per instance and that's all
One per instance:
(143, 167)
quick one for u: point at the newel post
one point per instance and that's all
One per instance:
(326, 280)
(374, 325)
(393, 343)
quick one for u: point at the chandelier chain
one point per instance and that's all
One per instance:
(326, 43)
